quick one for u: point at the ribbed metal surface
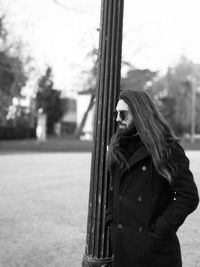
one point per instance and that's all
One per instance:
(97, 252)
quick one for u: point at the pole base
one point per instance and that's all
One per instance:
(94, 262)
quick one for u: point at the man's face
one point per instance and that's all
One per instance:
(125, 119)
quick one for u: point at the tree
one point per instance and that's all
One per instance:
(138, 79)
(90, 88)
(48, 99)
(12, 74)
(174, 93)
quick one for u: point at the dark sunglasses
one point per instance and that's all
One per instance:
(122, 114)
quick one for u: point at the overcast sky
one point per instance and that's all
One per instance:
(162, 31)
(156, 33)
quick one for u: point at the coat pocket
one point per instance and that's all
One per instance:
(163, 228)
(157, 236)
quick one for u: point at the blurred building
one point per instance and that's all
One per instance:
(68, 122)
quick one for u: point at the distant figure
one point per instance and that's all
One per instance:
(41, 126)
(57, 129)
(152, 191)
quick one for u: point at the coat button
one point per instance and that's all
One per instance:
(140, 229)
(144, 168)
(119, 226)
(139, 198)
(120, 197)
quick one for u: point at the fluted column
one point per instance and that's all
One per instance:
(97, 251)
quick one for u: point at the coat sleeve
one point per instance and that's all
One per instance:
(185, 198)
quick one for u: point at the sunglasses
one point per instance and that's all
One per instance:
(122, 114)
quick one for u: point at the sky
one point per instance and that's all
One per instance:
(159, 32)
(155, 34)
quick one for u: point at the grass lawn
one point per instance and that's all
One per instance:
(50, 145)
(43, 204)
(64, 145)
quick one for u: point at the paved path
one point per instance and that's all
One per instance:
(43, 210)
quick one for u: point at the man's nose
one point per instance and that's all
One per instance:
(118, 118)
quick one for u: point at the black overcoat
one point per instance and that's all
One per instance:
(148, 210)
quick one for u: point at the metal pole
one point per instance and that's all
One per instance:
(97, 250)
(193, 113)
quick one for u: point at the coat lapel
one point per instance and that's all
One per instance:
(139, 154)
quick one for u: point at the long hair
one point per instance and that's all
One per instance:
(116, 153)
(154, 131)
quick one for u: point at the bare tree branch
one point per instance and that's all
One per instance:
(69, 8)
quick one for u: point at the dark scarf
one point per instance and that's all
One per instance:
(128, 144)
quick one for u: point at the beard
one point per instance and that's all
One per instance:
(126, 130)
(122, 130)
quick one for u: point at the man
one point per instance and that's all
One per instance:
(152, 191)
